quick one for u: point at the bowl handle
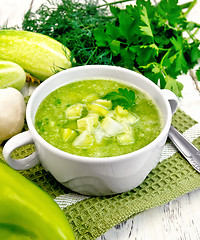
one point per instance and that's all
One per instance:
(13, 143)
(172, 98)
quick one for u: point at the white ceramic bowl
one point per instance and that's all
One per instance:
(88, 175)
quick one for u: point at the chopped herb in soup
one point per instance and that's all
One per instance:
(79, 118)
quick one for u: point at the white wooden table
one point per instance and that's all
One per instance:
(176, 220)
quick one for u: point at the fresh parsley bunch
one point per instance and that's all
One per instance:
(149, 39)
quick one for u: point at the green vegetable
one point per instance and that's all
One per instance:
(111, 127)
(126, 137)
(27, 212)
(95, 108)
(150, 39)
(68, 134)
(124, 98)
(11, 75)
(74, 111)
(146, 38)
(84, 140)
(72, 23)
(37, 54)
(88, 123)
(198, 73)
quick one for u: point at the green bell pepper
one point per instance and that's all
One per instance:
(27, 212)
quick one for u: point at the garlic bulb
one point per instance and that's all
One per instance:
(12, 113)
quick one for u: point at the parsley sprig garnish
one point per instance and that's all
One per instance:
(124, 98)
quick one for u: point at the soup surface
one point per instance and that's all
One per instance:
(75, 119)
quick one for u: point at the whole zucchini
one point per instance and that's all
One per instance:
(11, 75)
(37, 54)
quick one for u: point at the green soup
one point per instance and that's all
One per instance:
(75, 119)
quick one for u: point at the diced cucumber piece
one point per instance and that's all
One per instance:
(94, 108)
(111, 127)
(130, 118)
(74, 111)
(127, 127)
(125, 138)
(95, 118)
(88, 123)
(99, 134)
(68, 134)
(85, 124)
(84, 140)
(105, 103)
(121, 111)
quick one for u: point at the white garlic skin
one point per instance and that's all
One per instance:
(12, 113)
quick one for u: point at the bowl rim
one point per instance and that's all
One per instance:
(95, 160)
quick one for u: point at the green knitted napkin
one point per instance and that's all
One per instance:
(93, 216)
